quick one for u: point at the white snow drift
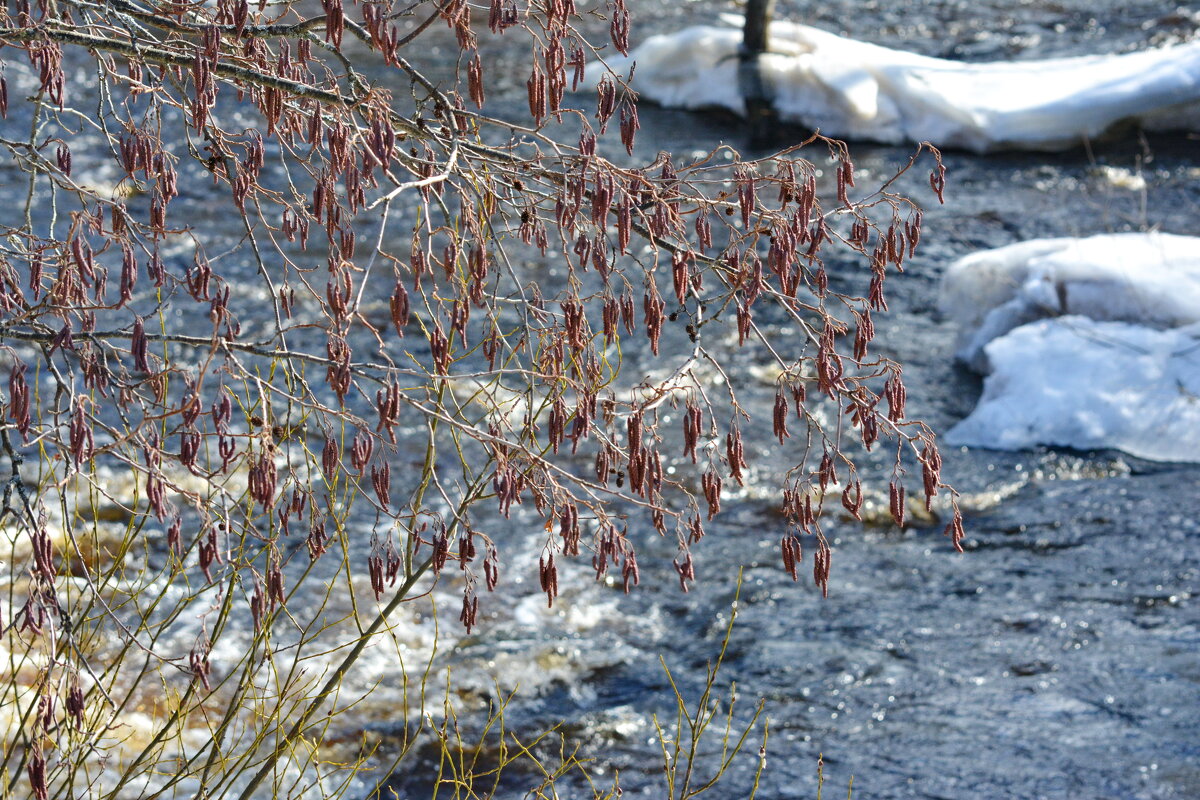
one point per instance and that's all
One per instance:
(855, 90)
(1088, 343)
(1076, 382)
(1149, 279)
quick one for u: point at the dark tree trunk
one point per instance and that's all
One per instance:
(760, 106)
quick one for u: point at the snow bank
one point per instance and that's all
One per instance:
(855, 90)
(1089, 343)
(1151, 279)
(1077, 382)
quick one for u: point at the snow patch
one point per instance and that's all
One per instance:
(1087, 384)
(856, 90)
(1152, 279)
(1089, 343)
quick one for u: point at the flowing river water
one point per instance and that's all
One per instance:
(1058, 657)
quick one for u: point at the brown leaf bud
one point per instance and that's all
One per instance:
(692, 421)
(931, 467)
(734, 454)
(896, 502)
(685, 569)
(475, 80)
(937, 181)
(330, 458)
(852, 499)
(792, 554)
(548, 577)
(629, 125)
(822, 560)
(360, 451)
(18, 399)
(317, 539)
(896, 396)
(75, 704)
(37, 772)
(469, 616)
(381, 479)
(955, 530)
(711, 483)
(780, 415)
